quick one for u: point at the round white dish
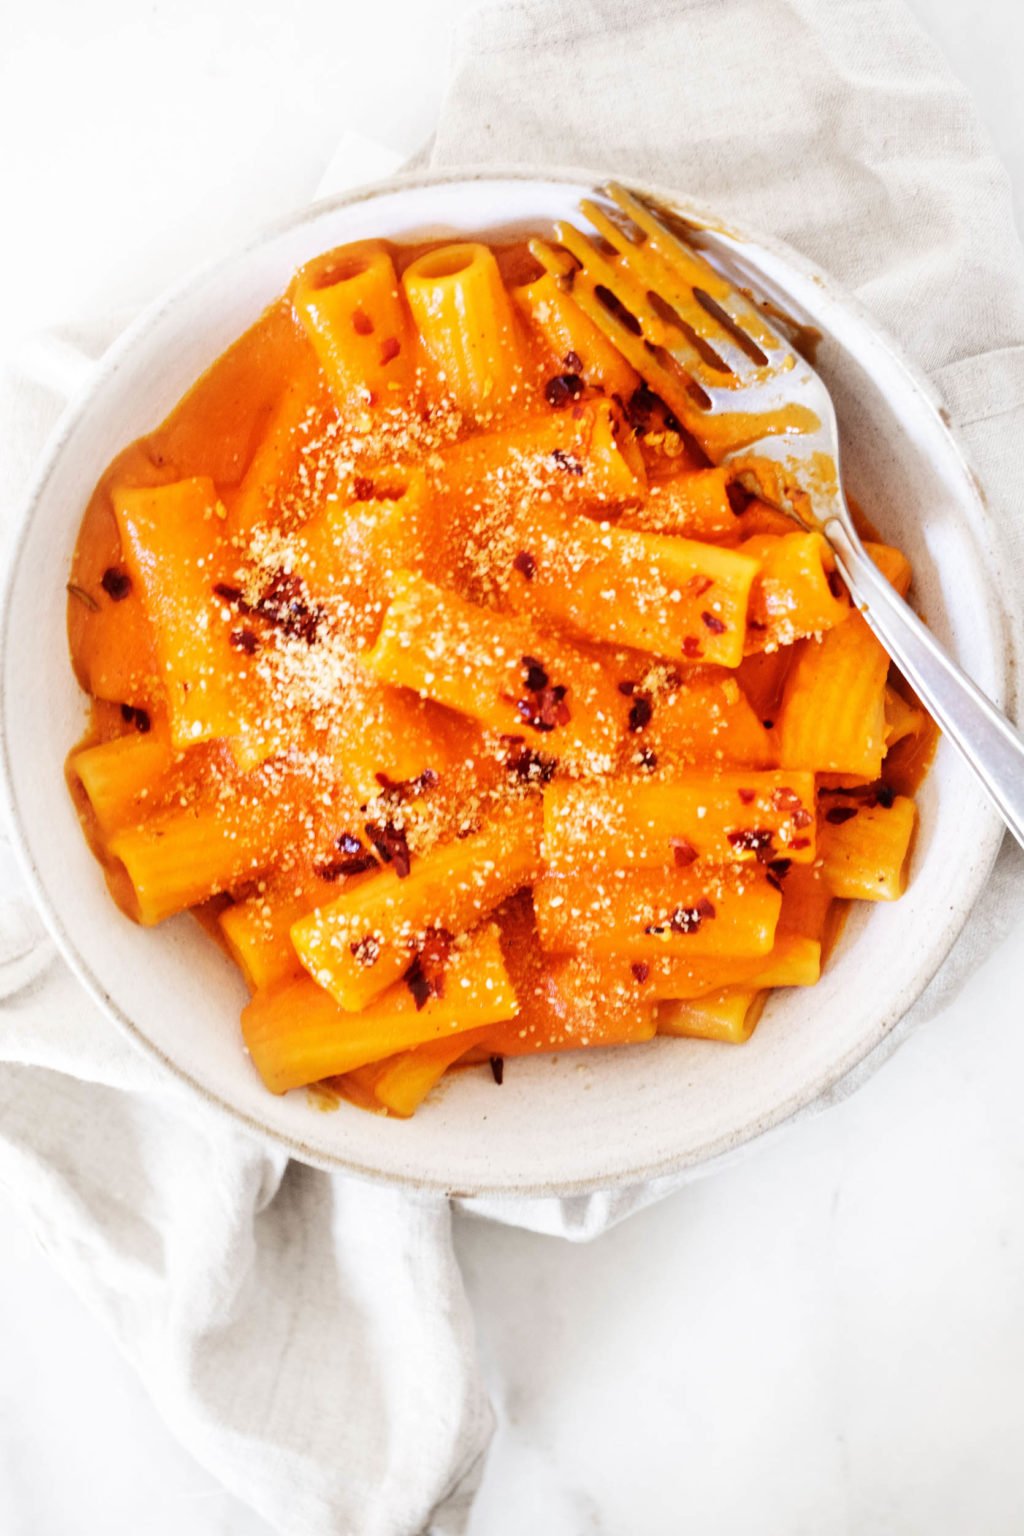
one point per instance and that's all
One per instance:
(558, 1125)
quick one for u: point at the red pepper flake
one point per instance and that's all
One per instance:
(871, 794)
(282, 604)
(400, 790)
(628, 688)
(640, 712)
(354, 860)
(573, 362)
(800, 842)
(835, 584)
(389, 350)
(639, 408)
(244, 640)
(525, 564)
(684, 919)
(497, 1064)
(755, 840)
(362, 488)
(536, 676)
(641, 970)
(747, 795)
(691, 648)
(777, 871)
(546, 709)
(229, 594)
(361, 323)
(840, 813)
(683, 852)
(567, 461)
(391, 844)
(563, 388)
(116, 583)
(647, 758)
(425, 976)
(527, 765)
(366, 950)
(698, 585)
(137, 717)
(756, 624)
(713, 622)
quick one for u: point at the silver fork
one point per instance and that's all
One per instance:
(748, 397)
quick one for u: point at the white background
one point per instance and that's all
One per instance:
(828, 1339)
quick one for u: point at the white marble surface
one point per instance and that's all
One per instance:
(827, 1339)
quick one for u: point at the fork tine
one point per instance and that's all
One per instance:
(675, 379)
(685, 264)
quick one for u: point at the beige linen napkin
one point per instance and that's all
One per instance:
(305, 1335)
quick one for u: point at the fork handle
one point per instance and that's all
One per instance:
(981, 733)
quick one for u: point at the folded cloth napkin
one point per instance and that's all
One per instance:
(304, 1334)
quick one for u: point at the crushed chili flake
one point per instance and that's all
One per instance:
(389, 350)
(536, 676)
(756, 624)
(497, 1064)
(640, 712)
(567, 461)
(698, 585)
(747, 795)
(683, 919)
(526, 764)
(391, 844)
(647, 759)
(755, 840)
(137, 717)
(641, 970)
(683, 852)
(362, 488)
(639, 408)
(563, 388)
(525, 564)
(244, 640)
(573, 362)
(691, 648)
(713, 622)
(401, 790)
(228, 593)
(366, 950)
(871, 794)
(116, 583)
(546, 709)
(787, 800)
(800, 842)
(425, 976)
(840, 813)
(354, 860)
(627, 688)
(361, 323)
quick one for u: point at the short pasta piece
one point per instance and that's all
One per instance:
(864, 847)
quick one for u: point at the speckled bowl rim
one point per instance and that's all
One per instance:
(833, 1084)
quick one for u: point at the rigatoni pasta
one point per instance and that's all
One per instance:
(473, 710)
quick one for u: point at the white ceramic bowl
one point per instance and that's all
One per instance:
(559, 1124)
